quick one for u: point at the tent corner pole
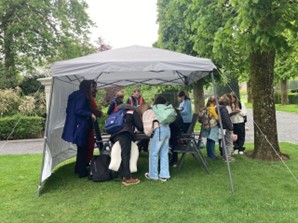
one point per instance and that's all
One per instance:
(221, 128)
(45, 139)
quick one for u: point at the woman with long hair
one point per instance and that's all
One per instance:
(238, 116)
(211, 131)
(78, 122)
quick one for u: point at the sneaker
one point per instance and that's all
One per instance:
(147, 177)
(236, 152)
(163, 179)
(241, 152)
(131, 181)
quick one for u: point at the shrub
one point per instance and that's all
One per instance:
(277, 97)
(11, 103)
(293, 98)
(27, 127)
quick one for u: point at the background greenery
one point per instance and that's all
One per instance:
(264, 192)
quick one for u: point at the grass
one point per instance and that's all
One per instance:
(264, 192)
(285, 108)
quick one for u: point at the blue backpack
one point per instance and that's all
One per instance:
(115, 121)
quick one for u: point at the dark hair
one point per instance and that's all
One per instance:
(93, 82)
(183, 94)
(160, 100)
(85, 86)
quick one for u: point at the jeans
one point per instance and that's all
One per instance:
(211, 149)
(159, 147)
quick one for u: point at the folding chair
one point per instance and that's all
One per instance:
(190, 146)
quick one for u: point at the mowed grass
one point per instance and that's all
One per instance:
(293, 108)
(264, 192)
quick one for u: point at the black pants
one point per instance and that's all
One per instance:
(186, 127)
(98, 136)
(125, 143)
(81, 162)
(239, 130)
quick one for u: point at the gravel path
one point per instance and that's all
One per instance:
(286, 124)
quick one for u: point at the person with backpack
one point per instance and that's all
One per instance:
(79, 120)
(210, 127)
(116, 102)
(159, 146)
(136, 98)
(185, 110)
(125, 136)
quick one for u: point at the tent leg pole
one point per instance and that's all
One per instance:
(223, 140)
(45, 139)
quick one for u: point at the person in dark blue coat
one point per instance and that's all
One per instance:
(79, 118)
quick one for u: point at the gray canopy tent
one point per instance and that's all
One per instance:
(121, 67)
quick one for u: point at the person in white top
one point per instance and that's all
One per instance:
(238, 118)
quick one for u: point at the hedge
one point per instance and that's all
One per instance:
(293, 98)
(28, 127)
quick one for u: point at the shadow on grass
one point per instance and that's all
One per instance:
(62, 177)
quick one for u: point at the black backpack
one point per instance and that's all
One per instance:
(99, 169)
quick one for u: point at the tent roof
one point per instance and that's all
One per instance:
(134, 65)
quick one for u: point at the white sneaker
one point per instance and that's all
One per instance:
(241, 152)
(236, 152)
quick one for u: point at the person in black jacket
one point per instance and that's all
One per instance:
(125, 136)
(227, 133)
(176, 128)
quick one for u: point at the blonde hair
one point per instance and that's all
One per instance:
(120, 95)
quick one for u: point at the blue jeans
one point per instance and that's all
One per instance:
(159, 147)
(210, 147)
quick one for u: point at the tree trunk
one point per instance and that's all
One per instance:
(284, 92)
(198, 94)
(249, 94)
(265, 131)
(9, 75)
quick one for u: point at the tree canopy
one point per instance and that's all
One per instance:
(33, 32)
(243, 38)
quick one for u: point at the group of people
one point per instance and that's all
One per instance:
(80, 127)
(233, 117)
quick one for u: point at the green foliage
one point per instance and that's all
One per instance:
(33, 32)
(23, 127)
(30, 85)
(264, 192)
(12, 102)
(293, 98)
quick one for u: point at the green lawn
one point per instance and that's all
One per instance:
(279, 107)
(264, 192)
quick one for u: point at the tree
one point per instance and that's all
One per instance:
(242, 37)
(286, 65)
(32, 31)
(174, 34)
